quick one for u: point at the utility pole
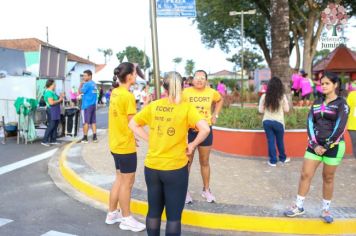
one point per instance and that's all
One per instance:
(47, 35)
(156, 75)
(242, 13)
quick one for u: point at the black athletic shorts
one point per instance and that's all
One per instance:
(192, 134)
(126, 163)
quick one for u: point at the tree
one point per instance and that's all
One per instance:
(216, 27)
(134, 55)
(189, 67)
(252, 60)
(280, 41)
(319, 55)
(106, 52)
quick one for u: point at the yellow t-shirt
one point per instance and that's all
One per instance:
(121, 138)
(202, 100)
(351, 101)
(169, 124)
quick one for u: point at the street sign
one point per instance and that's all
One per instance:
(176, 8)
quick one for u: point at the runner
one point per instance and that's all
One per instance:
(89, 100)
(273, 104)
(166, 164)
(222, 88)
(296, 83)
(203, 98)
(123, 148)
(305, 85)
(326, 125)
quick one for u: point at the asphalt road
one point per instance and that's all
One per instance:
(32, 205)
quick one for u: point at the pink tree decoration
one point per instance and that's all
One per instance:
(334, 16)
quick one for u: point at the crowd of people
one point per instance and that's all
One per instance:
(181, 122)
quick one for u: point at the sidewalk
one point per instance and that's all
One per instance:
(242, 186)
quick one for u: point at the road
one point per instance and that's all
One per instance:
(31, 204)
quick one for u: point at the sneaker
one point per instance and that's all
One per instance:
(188, 199)
(327, 217)
(45, 144)
(294, 211)
(113, 217)
(55, 143)
(84, 140)
(95, 139)
(208, 196)
(271, 164)
(286, 160)
(130, 223)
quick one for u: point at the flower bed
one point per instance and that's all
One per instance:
(239, 131)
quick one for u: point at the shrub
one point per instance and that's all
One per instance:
(250, 118)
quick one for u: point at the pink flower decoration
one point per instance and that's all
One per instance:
(327, 11)
(334, 11)
(331, 6)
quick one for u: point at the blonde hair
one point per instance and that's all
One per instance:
(173, 84)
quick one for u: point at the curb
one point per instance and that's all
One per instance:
(216, 221)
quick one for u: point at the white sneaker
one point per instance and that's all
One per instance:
(208, 196)
(286, 160)
(130, 223)
(113, 217)
(188, 199)
(271, 164)
(45, 144)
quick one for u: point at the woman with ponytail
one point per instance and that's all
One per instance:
(123, 148)
(326, 126)
(166, 163)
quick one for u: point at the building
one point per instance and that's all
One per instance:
(261, 76)
(223, 74)
(31, 47)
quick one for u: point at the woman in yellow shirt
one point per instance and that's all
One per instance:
(166, 163)
(351, 125)
(123, 148)
(203, 98)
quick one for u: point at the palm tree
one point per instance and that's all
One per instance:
(189, 67)
(280, 41)
(106, 52)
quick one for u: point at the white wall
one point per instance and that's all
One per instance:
(73, 79)
(12, 87)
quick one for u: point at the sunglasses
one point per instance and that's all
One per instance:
(200, 78)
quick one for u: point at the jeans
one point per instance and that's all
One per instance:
(275, 134)
(51, 131)
(353, 141)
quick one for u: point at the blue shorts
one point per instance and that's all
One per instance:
(89, 115)
(126, 163)
(192, 134)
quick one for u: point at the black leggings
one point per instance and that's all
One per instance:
(165, 189)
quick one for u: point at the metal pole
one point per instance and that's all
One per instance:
(242, 58)
(154, 38)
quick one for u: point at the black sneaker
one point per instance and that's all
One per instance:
(84, 140)
(95, 139)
